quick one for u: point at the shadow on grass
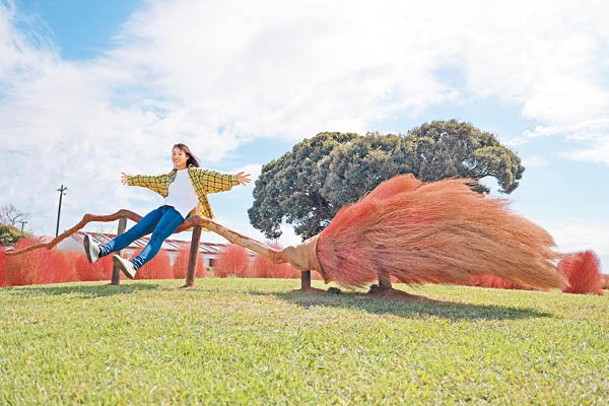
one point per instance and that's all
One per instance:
(347, 300)
(410, 309)
(87, 291)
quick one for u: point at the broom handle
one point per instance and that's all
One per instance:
(87, 218)
(230, 235)
(302, 256)
(235, 238)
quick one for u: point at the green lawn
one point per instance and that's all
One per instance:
(240, 341)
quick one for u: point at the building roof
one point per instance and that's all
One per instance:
(74, 242)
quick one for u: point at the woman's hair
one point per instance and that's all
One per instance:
(192, 159)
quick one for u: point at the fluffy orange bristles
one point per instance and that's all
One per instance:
(582, 270)
(434, 232)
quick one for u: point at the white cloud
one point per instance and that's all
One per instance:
(253, 169)
(534, 161)
(593, 134)
(277, 66)
(577, 234)
(217, 74)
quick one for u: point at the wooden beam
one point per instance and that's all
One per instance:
(116, 271)
(192, 260)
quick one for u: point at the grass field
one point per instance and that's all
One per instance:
(251, 341)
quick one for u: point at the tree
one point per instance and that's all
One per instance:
(355, 168)
(9, 235)
(307, 186)
(10, 215)
(290, 188)
(448, 149)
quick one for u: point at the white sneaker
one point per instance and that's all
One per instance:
(125, 265)
(91, 249)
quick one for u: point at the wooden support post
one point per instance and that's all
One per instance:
(116, 271)
(384, 280)
(305, 280)
(192, 260)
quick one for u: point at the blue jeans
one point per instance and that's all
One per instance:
(161, 222)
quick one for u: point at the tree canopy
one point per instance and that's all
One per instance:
(447, 149)
(308, 185)
(9, 217)
(9, 235)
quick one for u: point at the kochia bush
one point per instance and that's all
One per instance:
(180, 266)
(85, 271)
(263, 267)
(30, 268)
(582, 270)
(157, 268)
(233, 260)
(2, 266)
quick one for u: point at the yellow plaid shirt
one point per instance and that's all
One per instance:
(204, 181)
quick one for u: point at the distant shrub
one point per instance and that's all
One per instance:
(233, 260)
(101, 270)
(180, 266)
(605, 281)
(157, 268)
(41, 266)
(53, 266)
(582, 270)
(26, 269)
(263, 267)
(2, 266)
(65, 266)
(10, 235)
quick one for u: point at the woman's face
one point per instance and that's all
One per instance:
(179, 158)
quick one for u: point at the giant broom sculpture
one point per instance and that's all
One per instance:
(416, 232)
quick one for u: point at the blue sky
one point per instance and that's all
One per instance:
(90, 89)
(81, 29)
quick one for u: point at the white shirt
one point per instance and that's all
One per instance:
(181, 195)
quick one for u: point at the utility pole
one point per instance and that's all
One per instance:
(23, 222)
(62, 191)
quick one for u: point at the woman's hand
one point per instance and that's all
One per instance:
(123, 178)
(243, 178)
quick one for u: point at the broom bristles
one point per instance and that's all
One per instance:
(435, 232)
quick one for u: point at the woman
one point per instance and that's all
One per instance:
(185, 190)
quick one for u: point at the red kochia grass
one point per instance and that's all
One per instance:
(434, 232)
(2, 266)
(233, 260)
(65, 265)
(101, 270)
(49, 266)
(30, 268)
(157, 268)
(180, 266)
(263, 267)
(582, 270)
